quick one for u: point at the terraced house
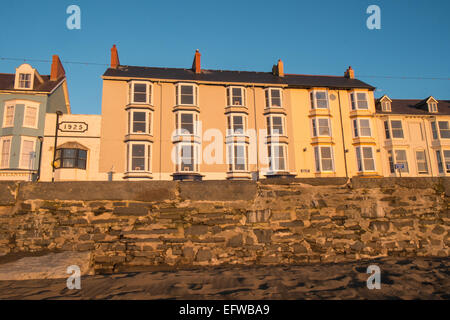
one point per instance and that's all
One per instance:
(166, 123)
(414, 136)
(25, 98)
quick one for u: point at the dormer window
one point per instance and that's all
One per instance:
(386, 106)
(25, 75)
(25, 81)
(236, 96)
(432, 107)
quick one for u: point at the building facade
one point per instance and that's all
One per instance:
(167, 123)
(25, 99)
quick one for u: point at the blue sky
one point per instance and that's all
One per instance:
(311, 37)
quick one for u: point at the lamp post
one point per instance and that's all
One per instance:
(58, 114)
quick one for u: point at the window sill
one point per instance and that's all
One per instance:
(139, 106)
(138, 174)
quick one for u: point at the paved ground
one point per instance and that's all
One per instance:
(401, 278)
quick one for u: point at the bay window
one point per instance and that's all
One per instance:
(187, 94)
(444, 130)
(319, 99)
(139, 156)
(324, 158)
(365, 159)
(140, 92)
(236, 96)
(397, 129)
(321, 127)
(8, 119)
(359, 101)
(273, 98)
(30, 118)
(5, 145)
(186, 123)
(361, 128)
(277, 157)
(27, 154)
(421, 158)
(275, 125)
(236, 124)
(140, 122)
(187, 155)
(237, 156)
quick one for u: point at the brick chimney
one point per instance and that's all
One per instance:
(349, 73)
(57, 70)
(114, 57)
(196, 67)
(278, 69)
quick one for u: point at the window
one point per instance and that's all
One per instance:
(422, 166)
(5, 144)
(439, 161)
(324, 159)
(386, 106)
(391, 161)
(386, 130)
(236, 124)
(187, 94)
(321, 127)
(275, 125)
(397, 129)
(8, 119)
(25, 80)
(30, 117)
(71, 158)
(187, 155)
(447, 160)
(236, 96)
(319, 99)
(277, 157)
(140, 92)
(186, 123)
(273, 98)
(140, 122)
(27, 154)
(444, 130)
(361, 128)
(434, 130)
(237, 157)
(364, 158)
(359, 101)
(139, 156)
(432, 107)
(400, 158)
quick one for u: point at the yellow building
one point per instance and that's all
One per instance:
(414, 136)
(168, 123)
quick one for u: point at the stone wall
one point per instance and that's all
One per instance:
(132, 225)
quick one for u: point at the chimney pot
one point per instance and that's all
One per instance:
(349, 73)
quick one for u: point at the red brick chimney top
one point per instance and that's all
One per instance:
(196, 66)
(57, 70)
(114, 57)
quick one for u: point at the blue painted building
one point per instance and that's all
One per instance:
(25, 98)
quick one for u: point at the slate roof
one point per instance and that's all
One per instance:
(295, 80)
(414, 107)
(7, 83)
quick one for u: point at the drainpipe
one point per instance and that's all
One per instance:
(426, 141)
(160, 130)
(342, 132)
(41, 141)
(256, 132)
(58, 114)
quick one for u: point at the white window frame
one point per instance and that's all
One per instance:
(195, 122)
(318, 154)
(285, 158)
(432, 107)
(268, 97)
(194, 92)
(35, 126)
(391, 131)
(425, 160)
(360, 157)
(231, 156)
(270, 130)
(5, 110)
(148, 96)
(230, 96)
(394, 153)
(354, 104)
(357, 128)
(386, 106)
(147, 158)
(440, 130)
(195, 156)
(22, 140)
(315, 127)
(313, 99)
(230, 124)
(2, 139)
(148, 122)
